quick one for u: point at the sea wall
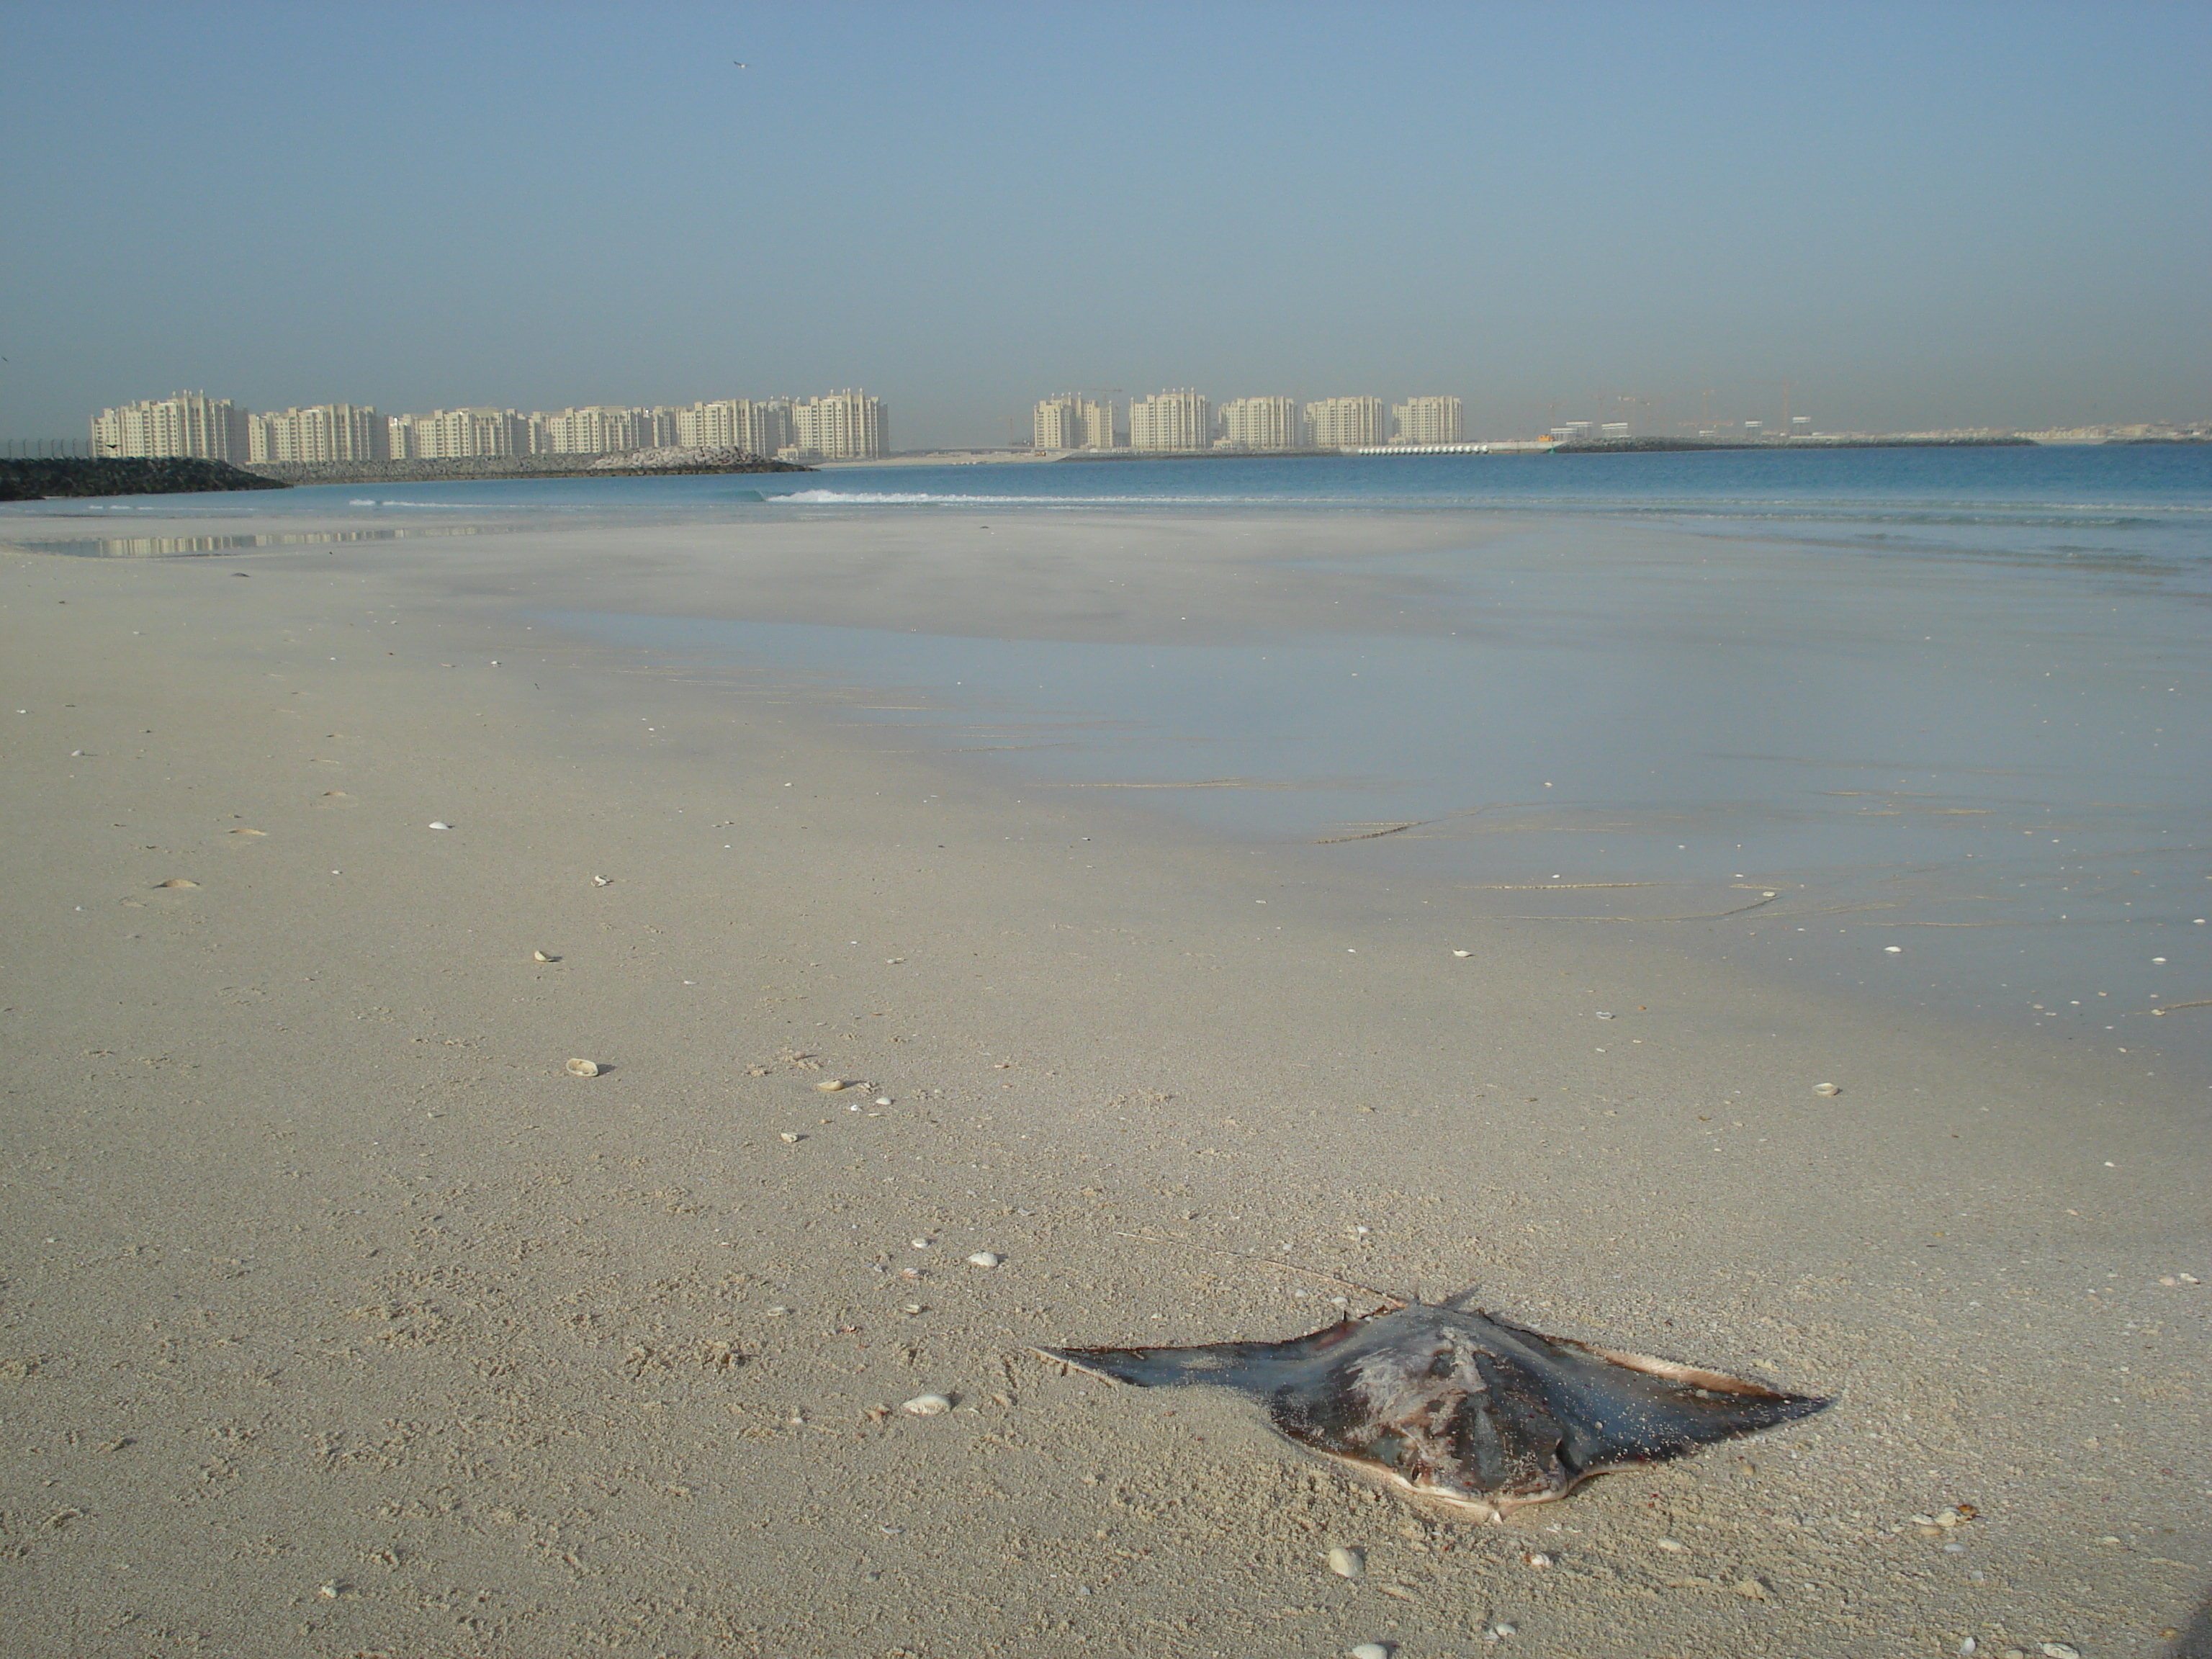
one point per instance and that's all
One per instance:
(39, 480)
(523, 466)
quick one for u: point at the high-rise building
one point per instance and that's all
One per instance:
(1094, 419)
(841, 426)
(327, 432)
(453, 435)
(1345, 423)
(1426, 421)
(190, 423)
(1170, 419)
(1056, 423)
(599, 429)
(760, 429)
(1260, 424)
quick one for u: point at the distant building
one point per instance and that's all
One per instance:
(841, 426)
(1345, 423)
(1261, 423)
(1056, 422)
(453, 435)
(599, 429)
(190, 423)
(1170, 419)
(1427, 421)
(760, 429)
(1095, 418)
(327, 432)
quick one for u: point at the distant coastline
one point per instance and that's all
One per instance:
(625, 465)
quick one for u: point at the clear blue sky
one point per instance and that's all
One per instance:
(1921, 214)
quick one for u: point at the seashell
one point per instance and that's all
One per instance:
(249, 832)
(1347, 1562)
(986, 1259)
(1537, 1559)
(927, 1405)
(883, 1100)
(175, 881)
(1370, 1650)
(829, 1086)
(602, 881)
(583, 1068)
(1463, 953)
(1827, 1088)
(439, 823)
(791, 1138)
(540, 956)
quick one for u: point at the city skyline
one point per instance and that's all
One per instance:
(1970, 216)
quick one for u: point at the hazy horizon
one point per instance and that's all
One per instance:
(1965, 216)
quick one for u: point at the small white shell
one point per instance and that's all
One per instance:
(539, 956)
(439, 823)
(1347, 1562)
(927, 1405)
(583, 1068)
(986, 1259)
(829, 1086)
(1827, 1088)
(791, 1139)
(1370, 1650)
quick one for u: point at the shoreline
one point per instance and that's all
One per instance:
(413, 1289)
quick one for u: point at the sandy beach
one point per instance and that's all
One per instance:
(337, 1318)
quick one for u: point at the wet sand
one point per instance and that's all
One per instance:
(339, 1318)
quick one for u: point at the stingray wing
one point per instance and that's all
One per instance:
(1622, 1409)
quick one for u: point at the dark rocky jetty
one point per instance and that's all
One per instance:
(39, 480)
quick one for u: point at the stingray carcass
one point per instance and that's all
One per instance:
(1463, 1409)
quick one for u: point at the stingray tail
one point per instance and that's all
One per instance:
(1245, 1365)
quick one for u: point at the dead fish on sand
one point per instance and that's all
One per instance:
(1463, 1410)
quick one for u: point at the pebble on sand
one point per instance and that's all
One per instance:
(1371, 1650)
(583, 1068)
(986, 1259)
(927, 1405)
(829, 1086)
(1347, 1562)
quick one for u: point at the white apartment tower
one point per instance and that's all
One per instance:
(1345, 423)
(453, 435)
(1426, 421)
(1056, 423)
(327, 432)
(841, 426)
(1260, 424)
(1170, 419)
(191, 423)
(600, 429)
(758, 428)
(1094, 417)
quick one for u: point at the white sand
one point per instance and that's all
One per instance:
(337, 1318)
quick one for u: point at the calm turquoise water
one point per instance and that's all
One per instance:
(1949, 707)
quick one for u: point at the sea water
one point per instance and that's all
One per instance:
(1928, 725)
